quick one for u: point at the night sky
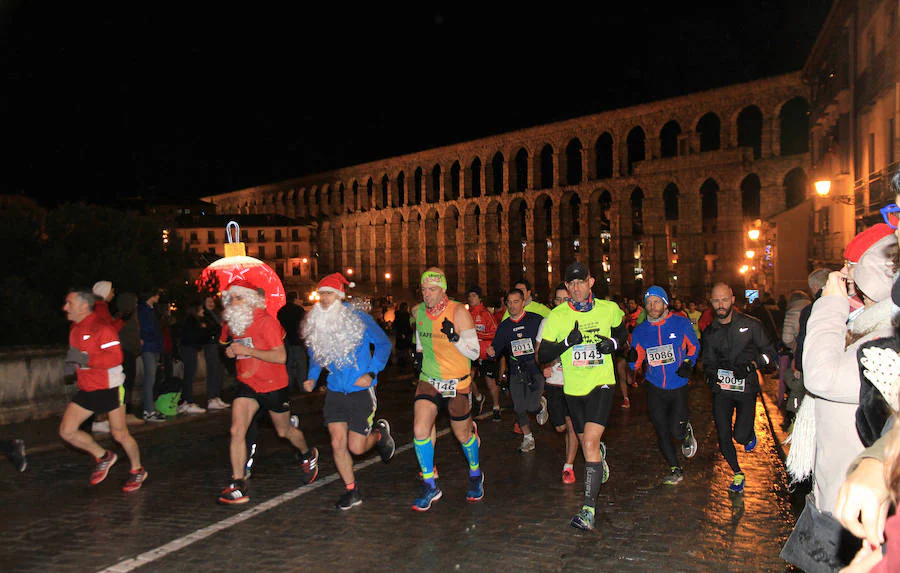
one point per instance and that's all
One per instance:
(111, 101)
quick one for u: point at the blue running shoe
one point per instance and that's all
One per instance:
(751, 444)
(737, 484)
(476, 488)
(583, 520)
(427, 496)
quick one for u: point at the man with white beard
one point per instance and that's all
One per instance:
(262, 381)
(341, 339)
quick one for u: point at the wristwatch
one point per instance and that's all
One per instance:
(371, 375)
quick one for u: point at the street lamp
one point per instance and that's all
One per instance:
(387, 277)
(823, 189)
(349, 271)
(750, 254)
(753, 234)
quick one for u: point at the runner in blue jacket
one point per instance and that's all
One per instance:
(667, 347)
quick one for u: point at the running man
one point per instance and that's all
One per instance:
(485, 327)
(341, 339)
(556, 398)
(666, 346)
(734, 346)
(531, 305)
(95, 351)
(262, 383)
(578, 333)
(447, 341)
(516, 338)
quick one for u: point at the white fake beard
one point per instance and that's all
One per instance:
(333, 335)
(239, 318)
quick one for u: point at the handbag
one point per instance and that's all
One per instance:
(819, 543)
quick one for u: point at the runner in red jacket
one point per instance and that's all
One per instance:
(485, 327)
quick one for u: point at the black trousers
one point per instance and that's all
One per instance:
(669, 414)
(741, 405)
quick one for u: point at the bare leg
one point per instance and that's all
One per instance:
(571, 442)
(242, 411)
(69, 430)
(282, 423)
(342, 458)
(120, 433)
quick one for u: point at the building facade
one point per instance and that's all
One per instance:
(659, 193)
(852, 72)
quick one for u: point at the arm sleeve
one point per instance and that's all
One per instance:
(691, 345)
(499, 342)
(824, 358)
(467, 345)
(109, 351)
(315, 369)
(767, 353)
(620, 335)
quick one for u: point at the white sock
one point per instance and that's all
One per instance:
(568, 467)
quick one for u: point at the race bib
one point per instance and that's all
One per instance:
(447, 388)
(480, 328)
(586, 355)
(661, 355)
(248, 342)
(522, 347)
(728, 382)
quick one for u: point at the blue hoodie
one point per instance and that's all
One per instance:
(667, 344)
(344, 380)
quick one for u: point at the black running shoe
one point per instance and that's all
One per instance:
(234, 494)
(18, 455)
(386, 445)
(309, 466)
(478, 405)
(349, 499)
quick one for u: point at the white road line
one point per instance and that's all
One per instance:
(200, 534)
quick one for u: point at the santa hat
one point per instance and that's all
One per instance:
(861, 242)
(243, 287)
(335, 282)
(102, 289)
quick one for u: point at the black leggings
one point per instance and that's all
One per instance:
(669, 414)
(725, 403)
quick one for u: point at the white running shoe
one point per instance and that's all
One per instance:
(544, 414)
(217, 404)
(190, 409)
(527, 445)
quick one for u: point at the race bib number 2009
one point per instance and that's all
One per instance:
(727, 381)
(586, 355)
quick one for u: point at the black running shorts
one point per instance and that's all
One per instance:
(594, 407)
(356, 409)
(556, 403)
(100, 401)
(276, 401)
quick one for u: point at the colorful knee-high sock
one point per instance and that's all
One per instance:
(425, 454)
(470, 448)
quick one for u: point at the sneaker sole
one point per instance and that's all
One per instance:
(578, 524)
(95, 481)
(386, 427)
(672, 482)
(474, 499)
(140, 484)
(439, 495)
(351, 506)
(239, 501)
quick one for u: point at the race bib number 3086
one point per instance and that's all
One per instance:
(586, 355)
(661, 355)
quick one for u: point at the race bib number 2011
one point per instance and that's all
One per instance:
(661, 355)
(728, 382)
(521, 347)
(586, 355)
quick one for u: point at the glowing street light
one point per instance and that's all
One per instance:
(750, 254)
(823, 187)
(743, 270)
(350, 271)
(753, 234)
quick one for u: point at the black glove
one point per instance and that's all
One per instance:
(77, 356)
(574, 337)
(631, 355)
(741, 371)
(417, 362)
(503, 381)
(607, 345)
(450, 330)
(685, 370)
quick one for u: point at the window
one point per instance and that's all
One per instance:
(279, 254)
(245, 237)
(278, 235)
(210, 237)
(194, 238)
(262, 252)
(871, 153)
(295, 234)
(211, 250)
(261, 235)
(889, 147)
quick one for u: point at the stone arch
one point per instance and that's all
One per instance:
(709, 130)
(493, 235)
(356, 203)
(418, 182)
(636, 144)
(381, 250)
(432, 225)
(518, 238)
(386, 193)
(519, 175)
(750, 196)
(495, 183)
(795, 185)
(474, 187)
(709, 206)
(668, 139)
(794, 124)
(546, 179)
(433, 187)
(749, 129)
(570, 208)
(603, 156)
(600, 239)
(401, 190)
(395, 265)
(636, 202)
(472, 238)
(543, 235)
(415, 264)
(450, 219)
(574, 172)
(670, 202)
(370, 194)
(455, 174)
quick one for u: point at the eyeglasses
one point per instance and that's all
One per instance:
(891, 216)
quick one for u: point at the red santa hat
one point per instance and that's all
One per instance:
(336, 283)
(863, 241)
(243, 287)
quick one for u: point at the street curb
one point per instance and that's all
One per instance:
(778, 436)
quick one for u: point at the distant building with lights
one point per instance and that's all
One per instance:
(659, 193)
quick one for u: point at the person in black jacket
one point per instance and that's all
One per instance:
(193, 337)
(290, 316)
(734, 347)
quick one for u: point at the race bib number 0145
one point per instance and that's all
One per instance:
(447, 388)
(586, 355)
(661, 355)
(728, 382)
